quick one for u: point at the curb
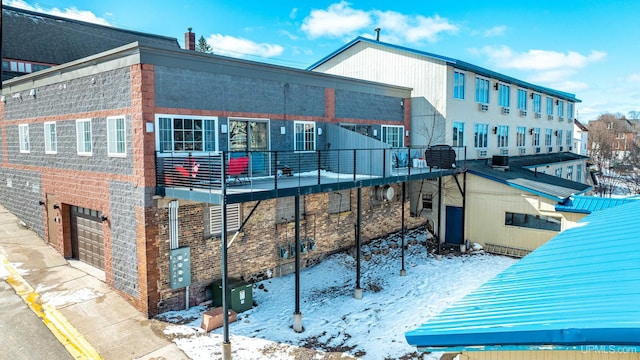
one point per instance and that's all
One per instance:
(68, 336)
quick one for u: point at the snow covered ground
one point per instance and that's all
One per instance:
(336, 325)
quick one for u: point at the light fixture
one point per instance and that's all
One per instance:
(41, 202)
(283, 130)
(103, 217)
(17, 96)
(401, 102)
(406, 133)
(557, 101)
(32, 92)
(3, 98)
(496, 86)
(56, 206)
(532, 95)
(375, 132)
(495, 129)
(531, 131)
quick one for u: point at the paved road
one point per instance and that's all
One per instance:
(23, 336)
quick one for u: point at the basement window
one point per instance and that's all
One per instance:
(427, 202)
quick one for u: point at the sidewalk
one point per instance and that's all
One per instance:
(85, 312)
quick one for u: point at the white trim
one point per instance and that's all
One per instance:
(402, 133)
(194, 117)
(315, 135)
(46, 136)
(124, 129)
(84, 153)
(25, 144)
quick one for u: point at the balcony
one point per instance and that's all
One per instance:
(259, 175)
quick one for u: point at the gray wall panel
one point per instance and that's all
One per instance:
(124, 197)
(22, 196)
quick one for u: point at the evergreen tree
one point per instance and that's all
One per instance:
(203, 46)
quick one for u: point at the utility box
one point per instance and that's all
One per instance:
(239, 294)
(180, 267)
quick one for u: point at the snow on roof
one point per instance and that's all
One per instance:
(580, 288)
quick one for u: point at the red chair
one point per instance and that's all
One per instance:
(238, 168)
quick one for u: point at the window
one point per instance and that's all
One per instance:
(579, 173)
(393, 135)
(179, 133)
(503, 95)
(285, 209)
(482, 90)
(23, 134)
(427, 202)
(547, 137)
(536, 137)
(215, 218)
(569, 110)
(537, 103)
(559, 137)
(458, 85)
(540, 222)
(560, 108)
(559, 172)
(458, 133)
(522, 99)
(520, 136)
(339, 201)
(50, 138)
(503, 136)
(570, 172)
(116, 136)
(83, 136)
(549, 106)
(481, 135)
(305, 136)
(569, 137)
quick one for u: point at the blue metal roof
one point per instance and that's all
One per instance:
(462, 65)
(589, 204)
(580, 288)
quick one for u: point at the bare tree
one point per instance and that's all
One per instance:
(601, 140)
(634, 115)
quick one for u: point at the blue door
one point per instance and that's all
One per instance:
(453, 228)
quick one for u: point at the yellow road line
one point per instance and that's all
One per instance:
(68, 336)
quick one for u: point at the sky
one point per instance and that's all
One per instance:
(588, 48)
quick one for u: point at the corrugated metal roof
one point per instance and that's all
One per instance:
(454, 62)
(580, 288)
(589, 204)
(519, 176)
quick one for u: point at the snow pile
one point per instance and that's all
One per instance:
(60, 298)
(333, 320)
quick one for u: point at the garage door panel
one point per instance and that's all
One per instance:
(87, 236)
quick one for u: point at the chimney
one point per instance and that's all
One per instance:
(190, 40)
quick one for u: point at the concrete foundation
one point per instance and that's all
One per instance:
(297, 322)
(403, 272)
(226, 351)
(357, 293)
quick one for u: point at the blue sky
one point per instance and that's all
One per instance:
(589, 48)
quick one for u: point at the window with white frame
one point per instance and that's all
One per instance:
(393, 135)
(547, 137)
(503, 136)
(536, 137)
(481, 136)
(522, 99)
(50, 138)
(570, 172)
(537, 103)
(559, 137)
(570, 110)
(458, 133)
(559, 172)
(560, 108)
(579, 173)
(116, 136)
(177, 133)
(503, 95)
(458, 85)
(521, 136)
(23, 135)
(83, 136)
(234, 219)
(482, 90)
(304, 136)
(569, 137)
(549, 106)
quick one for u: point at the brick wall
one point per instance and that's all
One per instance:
(254, 254)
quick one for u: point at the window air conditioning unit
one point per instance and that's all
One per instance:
(560, 118)
(505, 110)
(523, 112)
(483, 107)
(550, 117)
(504, 151)
(523, 151)
(538, 115)
(538, 150)
(482, 154)
(570, 148)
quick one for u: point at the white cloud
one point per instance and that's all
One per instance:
(634, 78)
(238, 47)
(288, 34)
(69, 13)
(504, 57)
(293, 13)
(339, 19)
(495, 31)
(551, 75)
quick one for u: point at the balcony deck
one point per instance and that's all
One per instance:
(279, 174)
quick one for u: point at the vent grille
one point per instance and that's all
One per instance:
(483, 107)
(215, 218)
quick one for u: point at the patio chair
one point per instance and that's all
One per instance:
(237, 169)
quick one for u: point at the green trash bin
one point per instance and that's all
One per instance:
(239, 294)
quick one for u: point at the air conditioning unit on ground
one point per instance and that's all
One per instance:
(538, 115)
(523, 112)
(523, 151)
(505, 110)
(483, 107)
(504, 152)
